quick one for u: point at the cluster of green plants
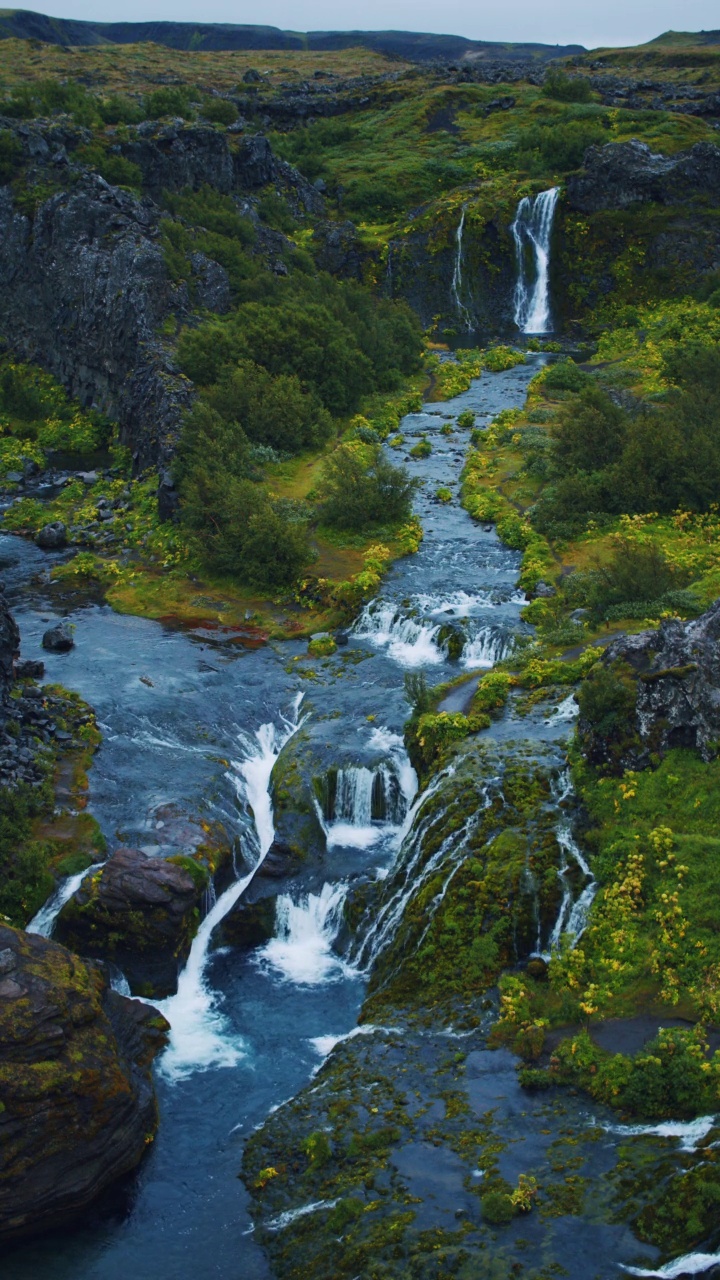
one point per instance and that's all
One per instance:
(37, 418)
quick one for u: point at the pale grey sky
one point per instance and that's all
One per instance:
(588, 22)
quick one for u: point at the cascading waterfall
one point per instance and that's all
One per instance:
(362, 805)
(302, 949)
(456, 285)
(573, 913)
(410, 641)
(44, 921)
(199, 1036)
(486, 648)
(532, 230)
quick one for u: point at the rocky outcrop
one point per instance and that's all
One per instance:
(671, 683)
(77, 1107)
(83, 291)
(175, 156)
(140, 912)
(58, 639)
(9, 647)
(628, 173)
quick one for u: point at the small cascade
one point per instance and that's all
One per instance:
(302, 949)
(382, 927)
(573, 914)
(691, 1264)
(456, 284)
(487, 647)
(409, 641)
(199, 1035)
(44, 921)
(532, 230)
(362, 805)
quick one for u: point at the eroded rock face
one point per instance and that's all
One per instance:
(627, 173)
(140, 912)
(676, 673)
(9, 646)
(78, 1106)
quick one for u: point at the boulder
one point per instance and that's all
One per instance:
(140, 912)
(249, 924)
(29, 669)
(671, 684)
(52, 537)
(78, 1107)
(58, 639)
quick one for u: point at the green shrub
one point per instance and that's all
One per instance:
(565, 88)
(422, 449)
(497, 1208)
(219, 110)
(564, 376)
(10, 153)
(359, 487)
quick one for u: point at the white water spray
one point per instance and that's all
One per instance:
(199, 1036)
(456, 285)
(532, 230)
(691, 1264)
(485, 649)
(409, 641)
(301, 951)
(44, 921)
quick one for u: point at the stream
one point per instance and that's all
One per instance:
(250, 1028)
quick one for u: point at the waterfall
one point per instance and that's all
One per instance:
(301, 951)
(573, 914)
(457, 275)
(362, 805)
(43, 922)
(486, 648)
(410, 641)
(691, 1264)
(199, 1035)
(531, 230)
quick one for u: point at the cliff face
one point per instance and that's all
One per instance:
(78, 1107)
(627, 173)
(84, 288)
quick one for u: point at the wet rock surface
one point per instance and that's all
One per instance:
(58, 639)
(78, 1107)
(138, 911)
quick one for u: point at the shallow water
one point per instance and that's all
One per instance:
(182, 744)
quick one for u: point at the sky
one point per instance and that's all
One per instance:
(588, 22)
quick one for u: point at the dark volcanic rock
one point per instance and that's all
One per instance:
(28, 669)
(58, 639)
(52, 537)
(626, 173)
(78, 1106)
(83, 291)
(9, 646)
(138, 911)
(676, 674)
(249, 924)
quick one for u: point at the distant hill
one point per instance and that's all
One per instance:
(413, 46)
(678, 39)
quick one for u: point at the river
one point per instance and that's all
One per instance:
(249, 1029)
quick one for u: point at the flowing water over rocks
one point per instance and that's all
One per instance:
(223, 734)
(532, 230)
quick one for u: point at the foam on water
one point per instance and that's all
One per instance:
(200, 1036)
(691, 1264)
(302, 949)
(44, 921)
(690, 1132)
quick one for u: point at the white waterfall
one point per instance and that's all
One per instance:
(573, 914)
(44, 921)
(456, 285)
(486, 648)
(692, 1264)
(409, 641)
(301, 951)
(532, 230)
(367, 805)
(199, 1036)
